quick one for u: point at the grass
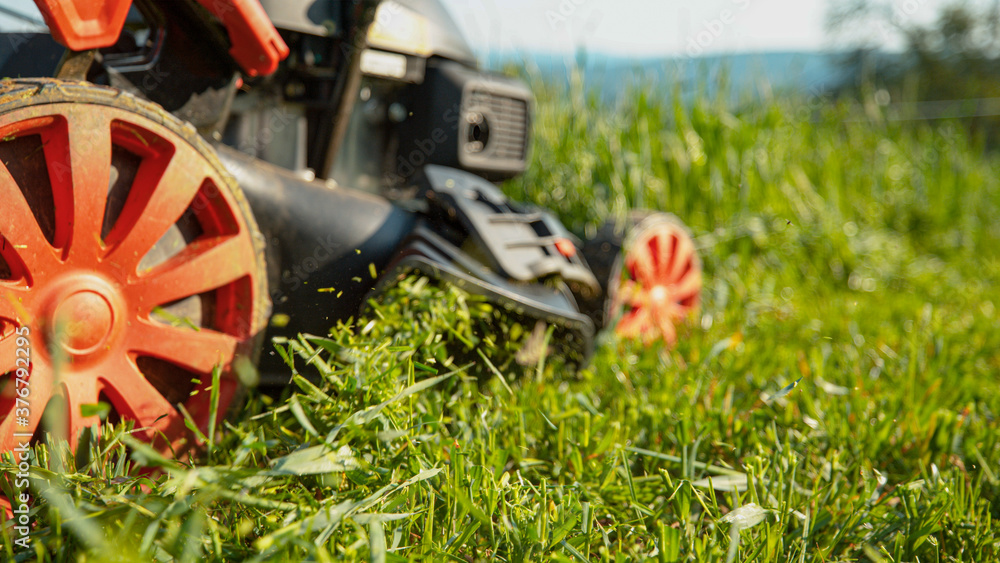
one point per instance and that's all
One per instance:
(856, 256)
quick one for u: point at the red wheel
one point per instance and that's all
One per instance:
(661, 283)
(127, 255)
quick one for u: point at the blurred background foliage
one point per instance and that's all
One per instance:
(948, 67)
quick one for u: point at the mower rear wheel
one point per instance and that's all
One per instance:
(130, 266)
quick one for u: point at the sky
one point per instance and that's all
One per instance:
(640, 27)
(659, 27)
(645, 27)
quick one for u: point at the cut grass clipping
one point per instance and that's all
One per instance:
(855, 255)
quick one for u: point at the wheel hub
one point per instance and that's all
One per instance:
(79, 314)
(83, 322)
(659, 294)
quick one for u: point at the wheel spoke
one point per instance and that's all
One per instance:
(633, 322)
(661, 315)
(657, 247)
(40, 386)
(19, 228)
(135, 398)
(89, 145)
(202, 266)
(79, 391)
(688, 286)
(9, 427)
(196, 350)
(641, 265)
(8, 353)
(12, 304)
(683, 255)
(143, 223)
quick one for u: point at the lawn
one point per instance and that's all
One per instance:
(836, 398)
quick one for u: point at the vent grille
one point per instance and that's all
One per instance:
(508, 124)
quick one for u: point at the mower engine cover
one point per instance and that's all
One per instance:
(477, 121)
(423, 101)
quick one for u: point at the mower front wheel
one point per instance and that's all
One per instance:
(649, 269)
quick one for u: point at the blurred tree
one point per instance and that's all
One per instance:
(948, 68)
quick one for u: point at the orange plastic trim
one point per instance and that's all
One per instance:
(566, 247)
(84, 24)
(256, 45)
(91, 24)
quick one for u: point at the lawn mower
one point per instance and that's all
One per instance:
(176, 173)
